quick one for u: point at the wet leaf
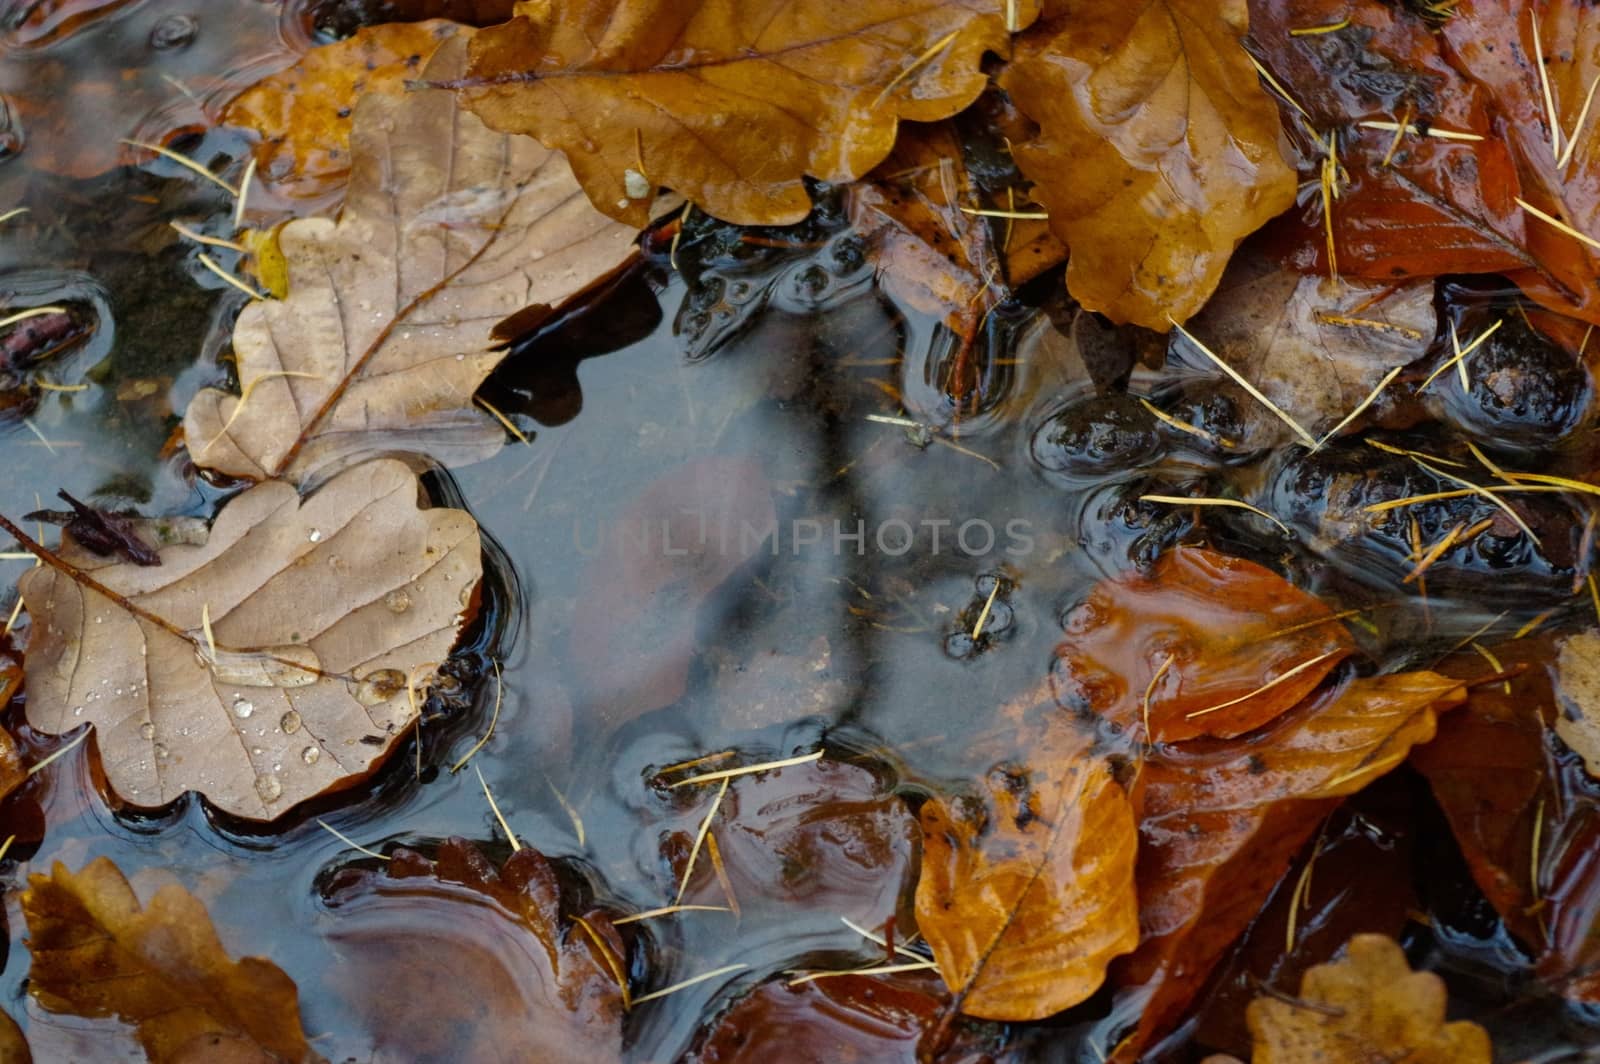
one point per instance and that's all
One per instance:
(80, 77)
(159, 967)
(1578, 673)
(320, 609)
(1523, 810)
(729, 108)
(1221, 820)
(1234, 633)
(1157, 152)
(1408, 205)
(1027, 892)
(1316, 347)
(1368, 1006)
(303, 114)
(13, 1046)
(13, 773)
(453, 959)
(447, 228)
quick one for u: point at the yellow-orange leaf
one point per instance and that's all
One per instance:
(1368, 1006)
(1026, 901)
(1157, 151)
(730, 102)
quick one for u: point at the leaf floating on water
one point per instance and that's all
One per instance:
(447, 229)
(1157, 150)
(1027, 894)
(298, 594)
(731, 107)
(96, 952)
(1367, 1006)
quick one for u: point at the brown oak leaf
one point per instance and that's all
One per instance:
(1027, 893)
(729, 105)
(446, 230)
(1367, 1006)
(159, 967)
(1158, 150)
(265, 665)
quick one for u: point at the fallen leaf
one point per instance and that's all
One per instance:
(80, 76)
(1221, 819)
(98, 531)
(1409, 204)
(453, 959)
(13, 1046)
(13, 773)
(731, 108)
(303, 114)
(1201, 644)
(447, 228)
(1157, 150)
(1523, 809)
(860, 1018)
(1027, 892)
(1368, 1006)
(318, 619)
(1315, 347)
(160, 967)
(1578, 672)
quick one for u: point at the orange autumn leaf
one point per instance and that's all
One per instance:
(729, 104)
(1027, 894)
(1221, 820)
(1367, 1006)
(1201, 644)
(1157, 150)
(159, 967)
(303, 114)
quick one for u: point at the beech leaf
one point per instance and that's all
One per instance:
(1157, 150)
(446, 230)
(320, 609)
(161, 967)
(730, 105)
(1027, 894)
(1367, 1006)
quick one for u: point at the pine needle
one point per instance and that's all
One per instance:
(687, 983)
(611, 962)
(1310, 441)
(1557, 222)
(244, 397)
(31, 312)
(765, 766)
(1014, 215)
(921, 61)
(1544, 84)
(1390, 448)
(348, 841)
(5, 847)
(1269, 685)
(704, 759)
(210, 264)
(1149, 692)
(205, 624)
(1357, 412)
(669, 910)
(881, 969)
(12, 213)
(714, 852)
(1184, 426)
(874, 937)
(1302, 894)
(213, 241)
(1494, 663)
(1328, 185)
(572, 814)
(1312, 31)
(495, 808)
(16, 611)
(1479, 490)
(244, 192)
(510, 425)
(1434, 553)
(31, 427)
(1594, 597)
(977, 629)
(499, 696)
(73, 745)
(1533, 623)
(1399, 135)
(1556, 483)
(1537, 854)
(1283, 93)
(1404, 128)
(1185, 500)
(699, 840)
(1324, 317)
(1583, 116)
(185, 162)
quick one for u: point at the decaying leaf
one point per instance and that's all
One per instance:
(1157, 152)
(1028, 893)
(303, 114)
(319, 609)
(13, 1046)
(447, 228)
(730, 107)
(13, 773)
(1523, 810)
(453, 959)
(1316, 347)
(1578, 672)
(1221, 820)
(160, 967)
(1368, 1006)
(1202, 644)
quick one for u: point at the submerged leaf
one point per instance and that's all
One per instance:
(1368, 1006)
(446, 230)
(1202, 644)
(303, 114)
(729, 105)
(319, 610)
(453, 959)
(1027, 894)
(1157, 150)
(160, 967)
